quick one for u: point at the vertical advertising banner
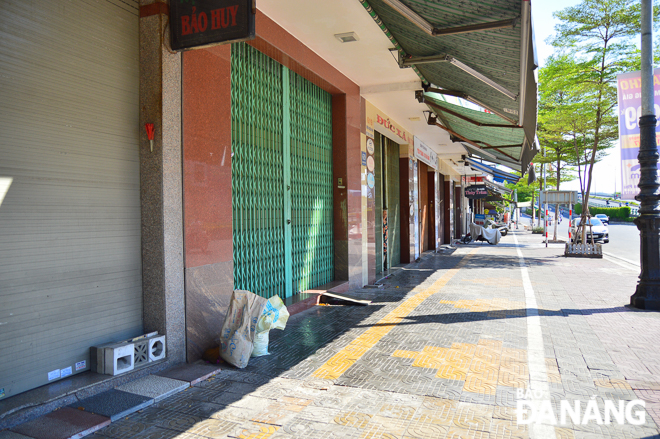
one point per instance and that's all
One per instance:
(629, 89)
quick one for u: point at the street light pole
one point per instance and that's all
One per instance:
(647, 294)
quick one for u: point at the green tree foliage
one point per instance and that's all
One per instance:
(594, 42)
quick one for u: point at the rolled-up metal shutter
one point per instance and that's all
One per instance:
(70, 264)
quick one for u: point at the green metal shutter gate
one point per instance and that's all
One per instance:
(281, 177)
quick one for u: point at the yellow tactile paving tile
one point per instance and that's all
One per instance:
(464, 348)
(297, 402)
(345, 358)
(477, 383)
(432, 417)
(489, 374)
(405, 354)
(423, 430)
(456, 355)
(519, 369)
(552, 370)
(503, 429)
(397, 411)
(488, 354)
(451, 373)
(428, 361)
(516, 355)
(495, 305)
(353, 419)
(382, 427)
(437, 352)
(613, 383)
(506, 413)
(509, 379)
(481, 366)
(481, 372)
(494, 344)
(279, 405)
(441, 407)
(564, 433)
(256, 431)
(473, 416)
(462, 433)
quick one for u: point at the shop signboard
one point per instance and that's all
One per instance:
(476, 191)
(629, 93)
(202, 23)
(479, 219)
(425, 154)
(377, 121)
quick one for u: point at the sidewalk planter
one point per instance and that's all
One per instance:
(583, 250)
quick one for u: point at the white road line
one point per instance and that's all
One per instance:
(626, 265)
(538, 375)
(635, 264)
(618, 260)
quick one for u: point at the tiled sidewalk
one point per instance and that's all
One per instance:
(441, 352)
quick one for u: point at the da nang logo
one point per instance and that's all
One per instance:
(531, 408)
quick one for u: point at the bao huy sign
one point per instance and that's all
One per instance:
(476, 191)
(197, 23)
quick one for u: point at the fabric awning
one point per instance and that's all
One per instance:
(485, 135)
(478, 51)
(497, 173)
(498, 188)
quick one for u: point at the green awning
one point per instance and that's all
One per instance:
(485, 131)
(481, 51)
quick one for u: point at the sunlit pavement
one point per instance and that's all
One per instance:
(445, 350)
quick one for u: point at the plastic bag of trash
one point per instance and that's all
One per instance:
(274, 316)
(240, 327)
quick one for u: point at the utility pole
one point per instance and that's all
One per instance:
(647, 294)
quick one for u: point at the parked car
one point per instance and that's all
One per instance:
(600, 231)
(603, 218)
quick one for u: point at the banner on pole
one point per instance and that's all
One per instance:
(629, 94)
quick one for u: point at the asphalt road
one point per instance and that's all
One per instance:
(624, 238)
(624, 242)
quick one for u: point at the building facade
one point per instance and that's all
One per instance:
(269, 169)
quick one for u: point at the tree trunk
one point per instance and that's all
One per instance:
(557, 213)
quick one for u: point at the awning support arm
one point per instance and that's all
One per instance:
(501, 146)
(467, 119)
(463, 139)
(501, 24)
(409, 61)
(462, 95)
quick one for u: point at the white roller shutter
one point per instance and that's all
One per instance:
(70, 264)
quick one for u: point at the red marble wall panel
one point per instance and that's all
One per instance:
(207, 156)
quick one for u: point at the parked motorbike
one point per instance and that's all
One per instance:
(503, 228)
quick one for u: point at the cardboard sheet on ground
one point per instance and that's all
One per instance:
(249, 315)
